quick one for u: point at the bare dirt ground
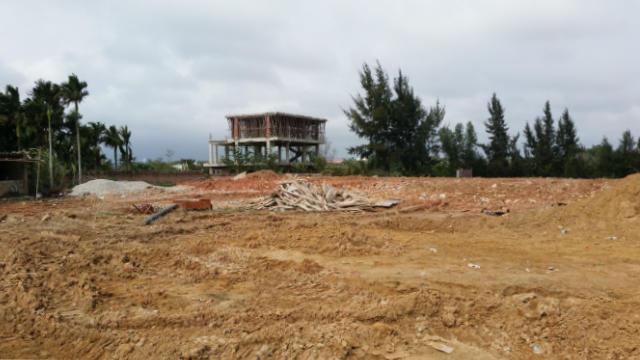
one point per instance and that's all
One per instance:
(556, 277)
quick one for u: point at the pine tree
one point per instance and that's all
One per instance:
(497, 150)
(469, 151)
(370, 116)
(627, 143)
(402, 136)
(541, 144)
(568, 146)
(516, 161)
(626, 155)
(604, 159)
(453, 146)
(430, 127)
(458, 137)
(408, 132)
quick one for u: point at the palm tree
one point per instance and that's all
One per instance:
(125, 135)
(12, 112)
(33, 125)
(95, 138)
(74, 91)
(46, 97)
(112, 139)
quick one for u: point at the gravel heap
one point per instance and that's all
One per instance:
(102, 187)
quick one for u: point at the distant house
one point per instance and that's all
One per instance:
(183, 166)
(288, 138)
(14, 169)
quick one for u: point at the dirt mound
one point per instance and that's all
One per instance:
(257, 183)
(264, 175)
(620, 200)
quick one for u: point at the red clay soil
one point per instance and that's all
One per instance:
(84, 278)
(445, 193)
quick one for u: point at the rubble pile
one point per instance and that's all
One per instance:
(298, 194)
(102, 187)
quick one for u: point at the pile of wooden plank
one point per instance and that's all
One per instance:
(297, 194)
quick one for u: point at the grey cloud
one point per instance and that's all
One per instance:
(171, 70)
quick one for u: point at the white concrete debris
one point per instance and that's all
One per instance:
(102, 187)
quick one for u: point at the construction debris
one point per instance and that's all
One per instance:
(537, 349)
(144, 208)
(300, 195)
(499, 212)
(186, 204)
(439, 344)
(151, 219)
(441, 347)
(103, 187)
(194, 204)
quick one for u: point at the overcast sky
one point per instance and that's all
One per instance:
(171, 70)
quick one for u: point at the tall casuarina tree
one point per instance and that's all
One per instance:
(74, 91)
(497, 149)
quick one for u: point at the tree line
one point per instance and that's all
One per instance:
(403, 137)
(48, 122)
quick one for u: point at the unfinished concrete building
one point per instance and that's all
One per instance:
(14, 167)
(287, 137)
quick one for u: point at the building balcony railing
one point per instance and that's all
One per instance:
(294, 133)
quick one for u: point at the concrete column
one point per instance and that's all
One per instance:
(268, 148)
(215, 153)
(317, 149)
(236, 150)
(286, 152)
(210, 154)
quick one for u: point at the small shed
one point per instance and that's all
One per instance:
(14, 170)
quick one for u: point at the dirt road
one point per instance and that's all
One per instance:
(557, 277)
